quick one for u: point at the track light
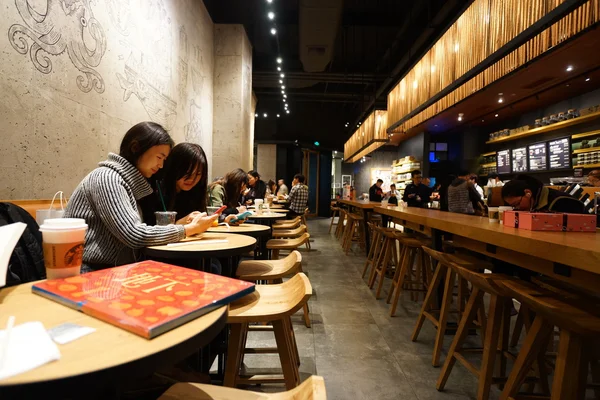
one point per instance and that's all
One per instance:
(460, 117)
(279, 60)
(265, 115)
(273, 31)
(271, 15)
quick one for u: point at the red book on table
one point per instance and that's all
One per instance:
(147, 298)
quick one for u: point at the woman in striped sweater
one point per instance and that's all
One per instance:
(107, 199)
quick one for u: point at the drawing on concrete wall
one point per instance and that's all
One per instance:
(119, 12)
(193, 130)
(62, 26)
(183, 64)
(147, 72)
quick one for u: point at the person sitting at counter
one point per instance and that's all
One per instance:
(479, 189)
(416, 194)
(526, 193)
(463, 197)
(375, 191)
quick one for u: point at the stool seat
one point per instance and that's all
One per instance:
(287, 221)
(268, 270)
(289, 233)
(287, 244)
(288, 225)
(271, 302)
(312, 388)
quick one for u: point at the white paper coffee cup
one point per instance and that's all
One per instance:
(63, 240)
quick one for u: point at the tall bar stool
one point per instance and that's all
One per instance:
(579, 324)
(405, 278)
(268, 303)
(335, 212)
(354, 232)
(339, 229)
(305, 223)
(311, 389)
(446, 276)
(386, 255)
(496, 331)
(374, 249)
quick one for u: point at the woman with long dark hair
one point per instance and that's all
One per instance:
(257, 188)
(234, 183)
(107, 199)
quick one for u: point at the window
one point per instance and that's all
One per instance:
(438, 152)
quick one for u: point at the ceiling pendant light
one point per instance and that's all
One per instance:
(273, 31)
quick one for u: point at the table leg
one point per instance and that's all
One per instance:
(366, 228)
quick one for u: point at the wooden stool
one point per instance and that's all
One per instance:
(579, 325)
(303, 221)
(496, 331)
(288, 233)
(339, 230)
(275, 245)
(288, 224)
(410, 250)
(354, 232)
(335, 212)
(268, 303)
(444, 270)
(375, 248)
(386, 253)
(311, 389)
(270, 270)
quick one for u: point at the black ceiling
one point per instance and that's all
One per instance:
(375, 45)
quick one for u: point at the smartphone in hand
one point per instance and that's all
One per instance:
(220, 210)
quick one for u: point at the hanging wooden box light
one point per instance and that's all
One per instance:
(368, 137)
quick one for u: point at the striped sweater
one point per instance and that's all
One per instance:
(107, 200)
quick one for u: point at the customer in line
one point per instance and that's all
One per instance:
(107, 199)
(256, 188)
(462, 196)
(271, 188)
(416, 194)
(298, 196)
(526, 193)
(479, 189)
(216, 193)
(283, 189)
(375, 191)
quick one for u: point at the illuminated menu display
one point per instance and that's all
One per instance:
(537, 157)
(503, 162)
(519, 160)
(560, 153)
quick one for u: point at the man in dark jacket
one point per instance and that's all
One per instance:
(375, 191)
(416, 194)
(463, 197)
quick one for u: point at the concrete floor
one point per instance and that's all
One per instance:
(360, 350)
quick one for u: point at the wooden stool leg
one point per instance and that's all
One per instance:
(534, 343)
(293, 343)
(443, 320)
(332, 219)
(399, 266)
(405, 270)
(378, 261)
(384, 266)
(372, 252)
(429, 297)
(461, 334)
(290, 369)
(519, 323)
(235, 351)
(490, 346)
(570, 371)
(306, 315)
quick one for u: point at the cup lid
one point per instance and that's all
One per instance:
(63, 224)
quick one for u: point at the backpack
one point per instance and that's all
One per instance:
(26, 263)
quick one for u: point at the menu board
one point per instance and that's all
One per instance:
(560, 153)
(503, 162)
(537, 157)
(519, 160)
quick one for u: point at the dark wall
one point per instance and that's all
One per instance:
(324, 183)
(289, 163)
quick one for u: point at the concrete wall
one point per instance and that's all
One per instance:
(266, 161)
(68, 100)
(234, 104)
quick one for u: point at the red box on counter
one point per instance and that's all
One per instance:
(534, 221)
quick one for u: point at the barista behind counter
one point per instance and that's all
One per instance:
(416, 193)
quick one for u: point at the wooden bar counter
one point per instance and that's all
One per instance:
(571, 257)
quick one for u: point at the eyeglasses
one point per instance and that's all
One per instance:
(517, 204)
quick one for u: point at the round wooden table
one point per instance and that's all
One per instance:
(104, 357)
(262, 233)
(235, 245)
(266, 218)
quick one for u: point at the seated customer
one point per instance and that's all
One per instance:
(416, 194)
(283, 189)
(375, 191)
(593, 178)
(462, 196)
(479, 189)
(526, 193)
(216, 193)
(257, 188)
(298, 197)
(107, 200)
(234, 185)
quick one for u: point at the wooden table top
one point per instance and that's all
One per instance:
(578, 250)
(370, 205)
(236, 244)
(264, 215)
(241, 229)
(107, 347)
